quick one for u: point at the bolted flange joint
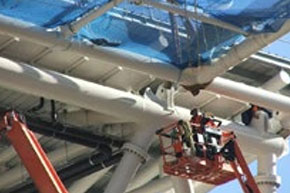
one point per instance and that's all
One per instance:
(138, 151)
(268, 180)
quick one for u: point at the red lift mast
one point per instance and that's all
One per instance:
(32, 155)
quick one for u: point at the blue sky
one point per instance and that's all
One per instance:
(281, 48)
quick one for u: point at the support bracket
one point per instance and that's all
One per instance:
(270, 180)
(166, 93)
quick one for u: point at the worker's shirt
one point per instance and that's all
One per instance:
(177, 146)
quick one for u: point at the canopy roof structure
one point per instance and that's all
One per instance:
(141, 28)
(104, 66)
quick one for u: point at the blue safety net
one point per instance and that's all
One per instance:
(156, 33)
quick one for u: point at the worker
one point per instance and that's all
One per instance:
(199, 150)
(228, 151)
(198, 129)
(187, 137)
(249, 114)
(196, 121)
(177, 142)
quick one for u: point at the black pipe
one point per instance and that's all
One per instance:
(85, 164)
(73, 135)
(83, 167)
(39, 106)
(53, 114)
(74, 172)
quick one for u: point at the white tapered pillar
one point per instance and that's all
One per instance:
(182, 185)
(84, 184)
(155, 186)
(146, 174)
(267, 179)
(134, 155)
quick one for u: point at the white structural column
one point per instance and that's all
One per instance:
(150, 170)
(155, 186)
(267, 179)
(182, 185)
(135, 153)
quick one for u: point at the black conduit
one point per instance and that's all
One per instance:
(84, 167)
(75, 171)
(53, 113)
(39, 106)
(70, 134)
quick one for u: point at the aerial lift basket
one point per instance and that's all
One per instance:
(183, 162)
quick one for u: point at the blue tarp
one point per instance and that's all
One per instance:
(156, 33)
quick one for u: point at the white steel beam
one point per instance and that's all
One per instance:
(86, 118)
(76, 25)
(237, 54)
(182, 11)
(190, 76)
(54, 39)
(81, 93)
(85, 94)
(150, 115)
(243, 92)
(259, 144)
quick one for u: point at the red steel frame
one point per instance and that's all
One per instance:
(245, 178)
(32, 155)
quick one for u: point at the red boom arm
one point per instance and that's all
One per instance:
(32, 155)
